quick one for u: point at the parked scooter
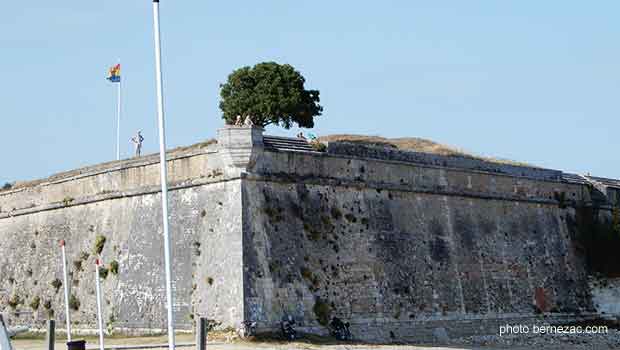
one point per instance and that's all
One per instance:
(286, 325)
(339, 329)
(247, 329)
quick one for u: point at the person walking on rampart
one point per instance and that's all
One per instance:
(137, 143)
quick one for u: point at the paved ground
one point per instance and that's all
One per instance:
(38, 343)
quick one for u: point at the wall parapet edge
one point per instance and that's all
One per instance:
(373, 152)
(107, 167)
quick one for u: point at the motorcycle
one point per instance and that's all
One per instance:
(339, 329)
(248, 329)
(286, 325)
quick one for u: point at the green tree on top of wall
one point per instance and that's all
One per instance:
(270, 93)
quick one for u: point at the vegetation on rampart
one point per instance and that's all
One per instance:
(598, 236)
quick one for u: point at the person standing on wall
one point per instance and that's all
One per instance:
(137, 143)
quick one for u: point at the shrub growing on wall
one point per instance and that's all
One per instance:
(99, 244)
(34, 303)
(114, 267)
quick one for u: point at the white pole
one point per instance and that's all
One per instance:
(118, 121)
(66, 285)
(163, 173)
(99, 313)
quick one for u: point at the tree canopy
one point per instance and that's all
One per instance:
(270, 93)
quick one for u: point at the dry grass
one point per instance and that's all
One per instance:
(415, 144)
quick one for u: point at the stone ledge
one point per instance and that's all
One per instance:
(373, 152)
(110, 196)
(108, 167)
(393, 187)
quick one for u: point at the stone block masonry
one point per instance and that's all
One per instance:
(400, 244)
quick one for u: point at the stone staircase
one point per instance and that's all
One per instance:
(287, 144)
(575, 179)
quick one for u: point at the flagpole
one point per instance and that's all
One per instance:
(163, 173)
(118, 121)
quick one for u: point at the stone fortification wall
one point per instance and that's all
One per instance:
(120, 201)
(461, 162)
(401, 244)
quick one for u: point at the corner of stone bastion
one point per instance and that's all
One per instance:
(240, 147)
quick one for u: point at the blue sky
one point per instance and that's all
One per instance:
(534, 81)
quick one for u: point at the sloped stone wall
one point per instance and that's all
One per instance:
(398, 244)
(398, 249)
(121, 202)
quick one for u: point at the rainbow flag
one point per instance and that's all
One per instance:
(115, 74)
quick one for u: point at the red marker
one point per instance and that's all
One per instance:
(62, 242)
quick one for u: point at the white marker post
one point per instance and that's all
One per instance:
(99, 313)
(66, 285)
(163, 173)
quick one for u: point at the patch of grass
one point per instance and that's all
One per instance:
(47, 304)
(322, 311)
(99, 244)
(350, 218)
(103, 272)
(310, 277)
(84, 256)
(74, 302)
(110, 324)
(210, 281)
(14, 300)
(7, 186)
(326, 221)
(274, 214)
(319, 146)
(67, 200)
(336, 213)
(414, 144)
(56, 283)
(35, 302)
(77, 265)
(312, 234)
(212, 324)
(306, 273)
(114, 267)
(274, 267)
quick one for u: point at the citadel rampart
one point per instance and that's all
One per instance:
(400, 244)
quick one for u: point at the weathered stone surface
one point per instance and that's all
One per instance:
(399, 245)
(606, 295)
